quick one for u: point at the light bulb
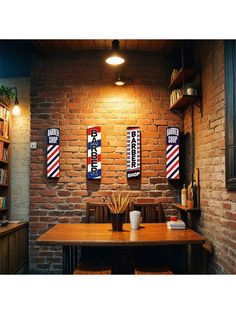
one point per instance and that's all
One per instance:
(16, 110)
(115, 60)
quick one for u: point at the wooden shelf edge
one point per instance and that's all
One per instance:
(187, 73)
(4, 185)
(184, 101)
(185, 208)
(3, 162)
(3, 209)
(4, 139)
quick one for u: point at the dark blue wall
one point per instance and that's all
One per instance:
(15, 58)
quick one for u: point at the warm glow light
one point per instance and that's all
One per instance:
(119, 82)
(16, 110)
(115, 60)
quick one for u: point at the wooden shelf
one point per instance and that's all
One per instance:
(183, 75)
(3, 209)
(184, 101)
(4, 185)
(4, 139)
(185, 208)
(3, 162)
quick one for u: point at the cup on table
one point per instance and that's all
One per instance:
(135, 219)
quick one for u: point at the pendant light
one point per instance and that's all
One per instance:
(119, 81)
(115, 58)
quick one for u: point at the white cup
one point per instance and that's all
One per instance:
(135, 219)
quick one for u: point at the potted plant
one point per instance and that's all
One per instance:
(7, 93)
(190, 89)
(118, 204)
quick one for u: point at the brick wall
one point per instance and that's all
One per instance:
(218, 206)
(72, 92)
(20, 150)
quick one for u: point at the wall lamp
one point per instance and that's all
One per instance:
(115, 58)
(16, 108)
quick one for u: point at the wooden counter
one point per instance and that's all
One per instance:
(13, 247)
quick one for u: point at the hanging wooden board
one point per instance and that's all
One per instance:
(172, 153)
(133, 153)
(94, 153)
(53, 153)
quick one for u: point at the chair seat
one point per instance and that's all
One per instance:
(90, 269)
(153, 271)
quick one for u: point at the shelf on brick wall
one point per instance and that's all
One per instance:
(184, 101)
(182, 75)
(185, 208)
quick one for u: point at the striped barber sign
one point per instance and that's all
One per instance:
(172, 153)
(94, 153)
(133, 153)
(53, 153)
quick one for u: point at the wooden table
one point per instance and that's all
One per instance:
(150, 234)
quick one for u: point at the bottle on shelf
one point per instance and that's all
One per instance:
(190, 196)
(195, 195)
(184, 196)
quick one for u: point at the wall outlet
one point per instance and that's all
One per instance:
(33, 145)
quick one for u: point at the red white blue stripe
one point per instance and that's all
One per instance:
(172, 153)
(94, 165)
(53, 153)
(53, 165)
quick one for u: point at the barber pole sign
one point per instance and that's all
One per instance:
(172, 153)
(53, 153)
(94, 152)
(133, 153)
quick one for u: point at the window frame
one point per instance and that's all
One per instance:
(230, 116)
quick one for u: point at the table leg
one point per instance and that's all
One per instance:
(69, 259)
(179, 262)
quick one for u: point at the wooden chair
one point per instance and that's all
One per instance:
(151, 213)
(95, 213)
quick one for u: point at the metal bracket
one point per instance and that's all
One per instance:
(179, 113)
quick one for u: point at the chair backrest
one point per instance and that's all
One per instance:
(151, 212)
(97, 213)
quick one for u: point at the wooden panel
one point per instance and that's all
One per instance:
(102, 235)
(17, 250)
(100, 44)
(75, 45)
(131, 44)
(4, 257)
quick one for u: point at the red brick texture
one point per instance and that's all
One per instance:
(72, 92)
(218, 206)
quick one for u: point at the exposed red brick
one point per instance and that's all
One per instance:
(73, 97)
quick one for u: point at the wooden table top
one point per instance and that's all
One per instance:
(102, 235)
